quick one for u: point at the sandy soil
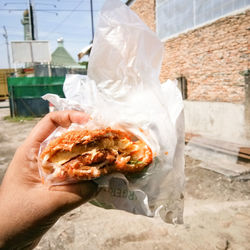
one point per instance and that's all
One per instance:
(216, 216)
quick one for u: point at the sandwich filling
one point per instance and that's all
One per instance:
(84, 154)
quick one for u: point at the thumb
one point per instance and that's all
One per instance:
(73, 195)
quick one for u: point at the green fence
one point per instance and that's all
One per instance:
(35, 87)
(26, 92)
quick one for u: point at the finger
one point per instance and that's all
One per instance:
(51, 121)
(65, 118)
(73, 195)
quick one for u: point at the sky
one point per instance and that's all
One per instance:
(70, 19)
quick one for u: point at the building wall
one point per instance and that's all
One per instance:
(211, 57)
(220, 120)
(145, 9)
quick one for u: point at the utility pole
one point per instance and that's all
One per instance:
(31, 16)
(5, 35)
(92, 19)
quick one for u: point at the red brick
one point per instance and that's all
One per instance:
(210, 57)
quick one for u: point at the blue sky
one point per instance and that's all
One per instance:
(73, 24)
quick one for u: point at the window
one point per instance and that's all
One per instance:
(182, 85)
(176, 16)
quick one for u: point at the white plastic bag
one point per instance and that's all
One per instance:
(122, 90)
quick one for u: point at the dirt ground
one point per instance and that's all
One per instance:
(216, 215)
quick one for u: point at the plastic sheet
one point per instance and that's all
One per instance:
(122, 90)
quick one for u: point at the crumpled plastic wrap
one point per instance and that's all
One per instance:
(122, 90)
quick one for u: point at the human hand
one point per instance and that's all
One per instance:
(27, 207)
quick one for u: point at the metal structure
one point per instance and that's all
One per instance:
(25, 94)
(5, 35)
(92, 19)
(176, 16)
(30, 51)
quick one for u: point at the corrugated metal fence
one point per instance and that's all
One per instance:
(4, 74)
(25, 94)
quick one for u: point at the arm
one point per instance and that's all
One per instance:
(27, 207)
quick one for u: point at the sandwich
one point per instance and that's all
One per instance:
(88, 154)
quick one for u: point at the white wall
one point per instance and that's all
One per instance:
(225, 121)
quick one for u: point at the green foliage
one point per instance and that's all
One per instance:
(18, 118)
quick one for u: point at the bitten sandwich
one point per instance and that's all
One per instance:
(85, 154)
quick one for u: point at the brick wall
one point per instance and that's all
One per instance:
(145, 9)
(210, 57)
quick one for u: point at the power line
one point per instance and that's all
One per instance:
(50, 10)
(65, 18)
(18, 3)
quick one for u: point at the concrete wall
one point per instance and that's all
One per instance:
(221, 120)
